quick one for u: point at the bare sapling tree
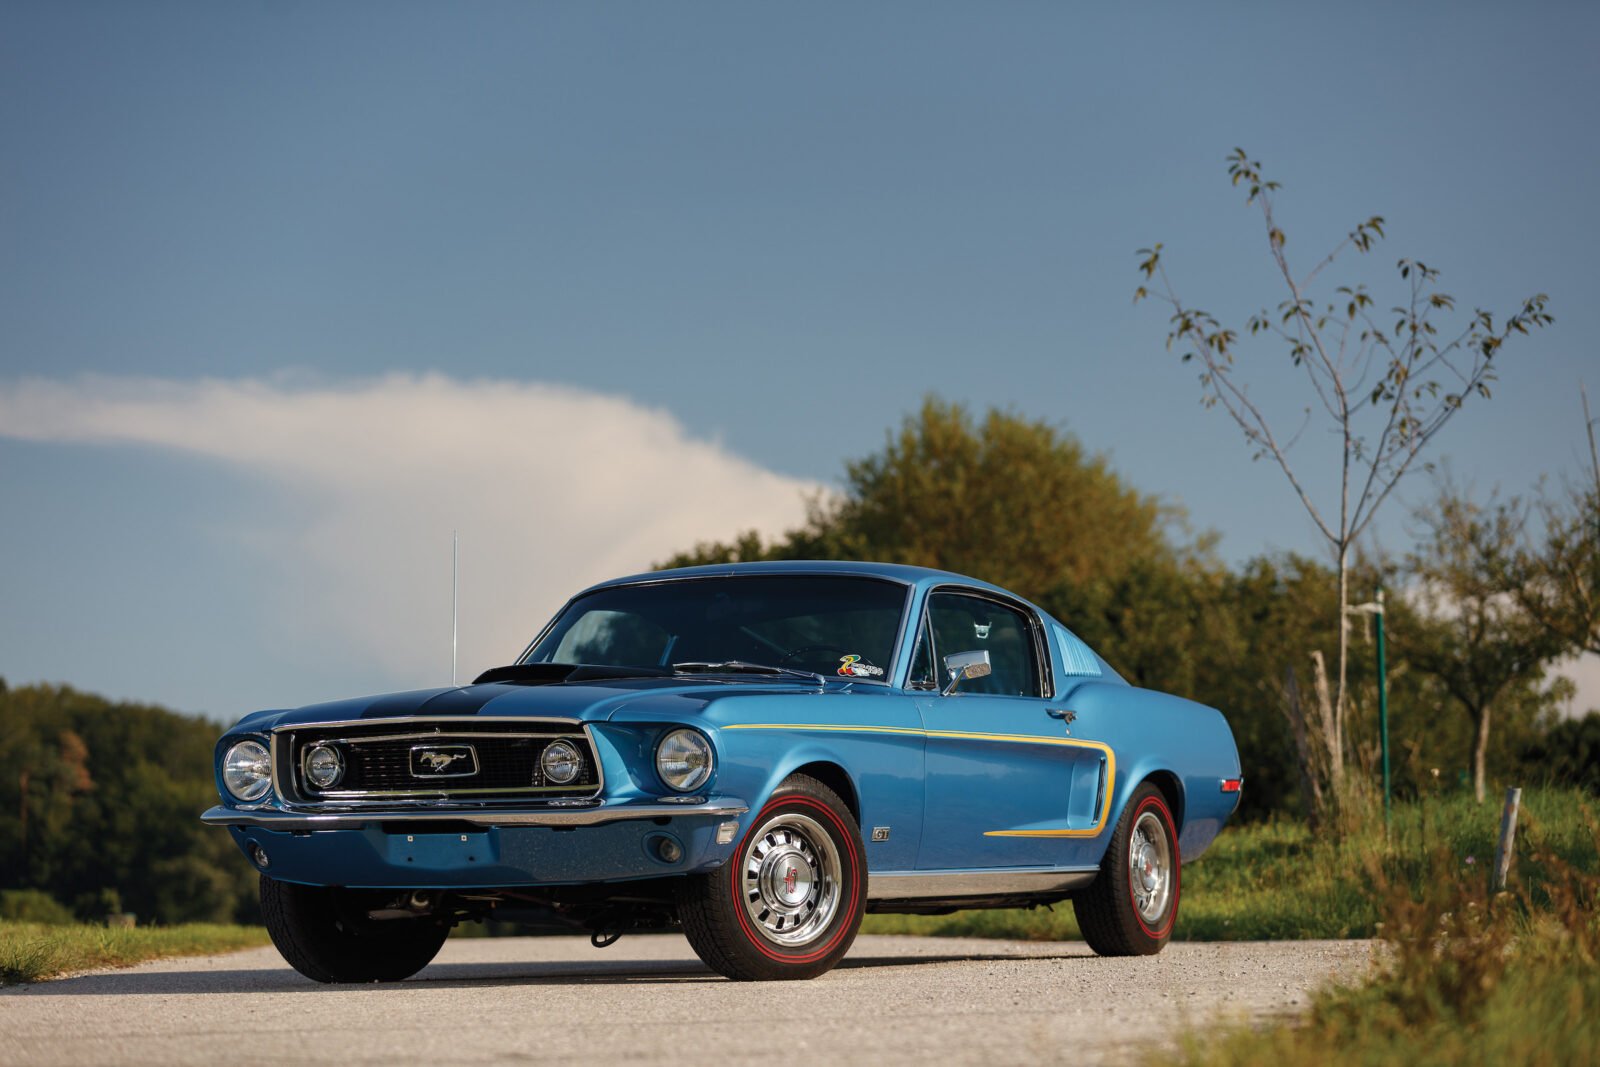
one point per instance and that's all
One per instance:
(1385, 383)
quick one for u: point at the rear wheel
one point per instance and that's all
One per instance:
(324, 932)
(789, 903)
(1132, 905)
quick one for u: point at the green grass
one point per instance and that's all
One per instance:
(32, 952)
(1541, 1007)
(1275, 881)
(1470, 978)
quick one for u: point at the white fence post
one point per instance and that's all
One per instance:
(1508, 834)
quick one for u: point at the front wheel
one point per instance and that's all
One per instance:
(789, 903)
(325, 933)
(1130, 908)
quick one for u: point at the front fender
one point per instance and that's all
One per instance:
(874, 740)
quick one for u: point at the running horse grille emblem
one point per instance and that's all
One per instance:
(444, 761)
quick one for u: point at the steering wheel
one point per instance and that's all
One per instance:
(795, 653)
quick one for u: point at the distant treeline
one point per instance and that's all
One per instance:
(99, 809)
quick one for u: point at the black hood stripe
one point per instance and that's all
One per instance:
(468, 700)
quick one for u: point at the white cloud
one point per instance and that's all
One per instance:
(551, 488)
(1584, 671)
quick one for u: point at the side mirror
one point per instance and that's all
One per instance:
(961, 665)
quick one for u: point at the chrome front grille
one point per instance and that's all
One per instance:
(433, 759)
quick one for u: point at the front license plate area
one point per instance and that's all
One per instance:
(443, 851)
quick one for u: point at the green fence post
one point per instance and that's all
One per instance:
(1383, 712)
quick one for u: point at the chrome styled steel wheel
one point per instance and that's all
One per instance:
(1150, 867)
(791, 875)
(789, 901)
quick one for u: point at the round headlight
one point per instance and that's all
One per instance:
(683, 759)
(247, 770)
(562, 762)
(324, 766)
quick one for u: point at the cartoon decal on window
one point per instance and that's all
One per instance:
(852, 667)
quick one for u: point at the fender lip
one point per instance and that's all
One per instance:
(593, 814)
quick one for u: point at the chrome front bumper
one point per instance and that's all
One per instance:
(593, 813)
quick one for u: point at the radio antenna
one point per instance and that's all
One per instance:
(455, 600)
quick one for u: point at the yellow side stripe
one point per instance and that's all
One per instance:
(814, 726)
(1018, 739)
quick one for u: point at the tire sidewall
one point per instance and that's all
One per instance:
(841, 930)
(1148, 802)
(313, 929)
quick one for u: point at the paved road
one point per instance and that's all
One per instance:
(647, 999)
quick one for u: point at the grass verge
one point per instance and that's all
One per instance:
(1276, 881)
(1471, 979)
(32, 952)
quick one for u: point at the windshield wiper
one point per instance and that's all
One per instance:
(740, 666)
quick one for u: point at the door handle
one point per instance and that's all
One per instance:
(1063, 714)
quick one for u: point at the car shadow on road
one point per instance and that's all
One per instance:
(462, 975)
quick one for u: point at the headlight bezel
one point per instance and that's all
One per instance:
(680, 747)
(339, 766)
(577, 764)
(237, 765)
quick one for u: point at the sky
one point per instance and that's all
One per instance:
(290, 293)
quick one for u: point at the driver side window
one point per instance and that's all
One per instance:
(966, 623)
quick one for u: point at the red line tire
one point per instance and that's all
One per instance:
(324, 933)
(1132, 905)
(789, 902)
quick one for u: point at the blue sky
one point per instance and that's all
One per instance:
(288, 291)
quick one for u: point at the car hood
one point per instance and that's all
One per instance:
(589, 701)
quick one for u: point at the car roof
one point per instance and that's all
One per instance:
(894, 572)
(917, 577)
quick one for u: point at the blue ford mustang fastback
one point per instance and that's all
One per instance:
(756, 754)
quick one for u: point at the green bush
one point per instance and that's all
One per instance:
(33, 906)
(97, 906)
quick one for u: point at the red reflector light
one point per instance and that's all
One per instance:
(1231, 785)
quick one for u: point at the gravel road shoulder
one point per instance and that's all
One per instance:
(648, 999)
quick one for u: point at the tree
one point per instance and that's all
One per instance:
(98, 802)
(1477, 639)
(1385, 390)
(1556, 578)
(1013, 501)
(1570, 752)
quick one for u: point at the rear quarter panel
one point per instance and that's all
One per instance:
(1189, 745)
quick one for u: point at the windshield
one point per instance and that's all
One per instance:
(833, 626)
